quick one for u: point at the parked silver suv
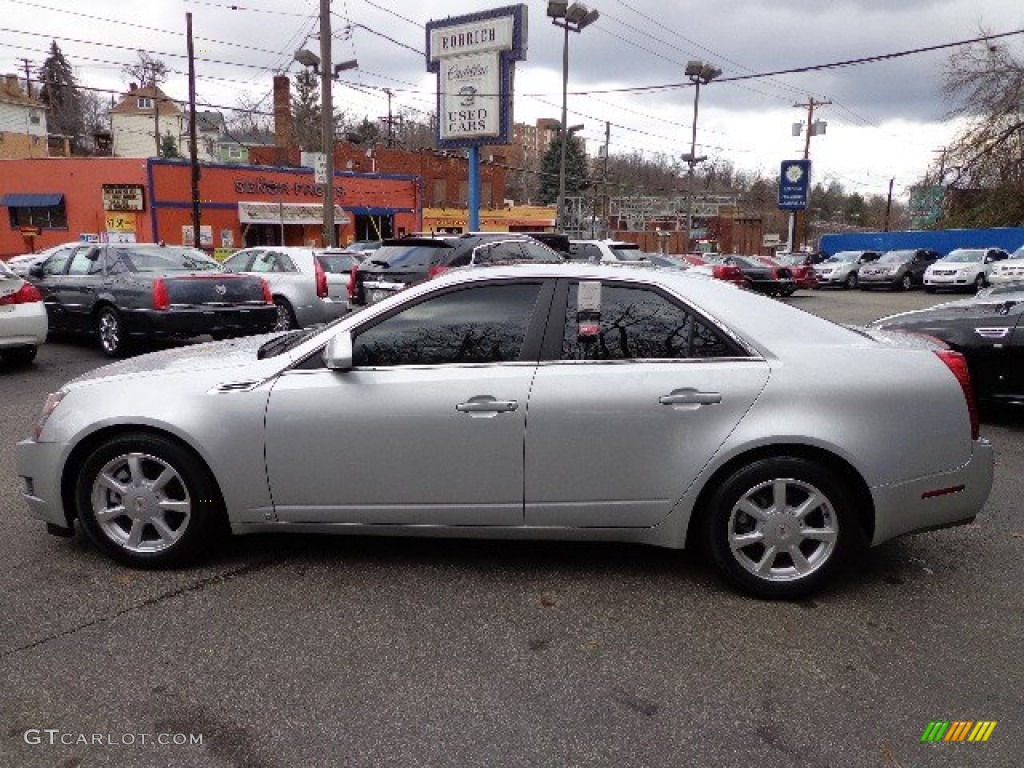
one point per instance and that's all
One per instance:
(841, 268)
(310, 285)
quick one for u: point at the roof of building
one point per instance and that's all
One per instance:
(129, 103)
(11, 93)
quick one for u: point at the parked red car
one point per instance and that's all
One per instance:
(796, 263)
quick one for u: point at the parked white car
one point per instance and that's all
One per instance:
(309, 285)
(963, 268)
(23, 322)
(606, 252)
(20, 265)
(1009, 270)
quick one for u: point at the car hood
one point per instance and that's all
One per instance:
(219, 358)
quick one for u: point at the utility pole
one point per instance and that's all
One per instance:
(798, 223)
(193, 150)
(604, 180)
(28, 76)
(327, 127)
(390, 119)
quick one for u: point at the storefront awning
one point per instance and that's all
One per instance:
(287, 213)
(31, 200)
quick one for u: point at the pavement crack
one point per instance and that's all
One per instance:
(197, 586)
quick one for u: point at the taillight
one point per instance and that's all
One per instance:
(727, 272)
(268, 297)
(27, 294)
(435, 270)
(160, 298)
(958, 365)
(321, 279)
(352, 282)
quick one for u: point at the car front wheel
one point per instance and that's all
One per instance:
(980, 282)
(147, 501)
(778, 528)
(851, 280)
(906, 283)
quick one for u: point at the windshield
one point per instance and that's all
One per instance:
(896, 257)
(627, 252)
(963, 255)
(168, 259)
(406, 255)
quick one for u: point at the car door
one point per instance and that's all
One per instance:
(427, 428)
(54, 282)
(630, 402)
(991, 335)
(80, 286)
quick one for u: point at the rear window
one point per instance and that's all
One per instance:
(165, 259)
(407, 255)
(338, 263)
(627, 252)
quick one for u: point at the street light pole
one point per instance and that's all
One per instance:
(571, 18)
(699, 74)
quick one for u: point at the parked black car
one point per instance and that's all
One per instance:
(410, 260)
(988, 329)
(897, 270)
(137, 291)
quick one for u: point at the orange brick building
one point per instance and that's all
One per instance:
(55, 200)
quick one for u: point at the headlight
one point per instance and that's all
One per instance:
(52, 401)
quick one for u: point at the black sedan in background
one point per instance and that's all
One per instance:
(410, 260)
(986, 329)
(128, 292)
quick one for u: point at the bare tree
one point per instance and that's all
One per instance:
(984, 165)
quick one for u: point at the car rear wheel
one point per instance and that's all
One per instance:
(285, 316)
(19, 355)
(778, 528)
(147, 501)
(110, 330)
(851, 280)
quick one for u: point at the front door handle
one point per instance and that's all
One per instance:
(690, 396)
(486, 405)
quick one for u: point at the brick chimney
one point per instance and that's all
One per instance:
(284, 130)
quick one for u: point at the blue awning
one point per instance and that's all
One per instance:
(29, 200)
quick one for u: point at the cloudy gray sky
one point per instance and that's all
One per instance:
(886, 119)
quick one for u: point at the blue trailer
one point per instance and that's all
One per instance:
(941, 240)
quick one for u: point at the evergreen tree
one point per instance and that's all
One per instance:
(169, 147)
(575, 169)
(63, 100)
(306, 111)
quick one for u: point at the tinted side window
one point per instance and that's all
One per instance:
(538, 252)
(640, 323)
(240, 261)
(484, 324)
(57, 261)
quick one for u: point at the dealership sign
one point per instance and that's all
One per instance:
(474, 57)
(794, 185)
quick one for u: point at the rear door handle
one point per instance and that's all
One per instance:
(690, 396)
(486, 405)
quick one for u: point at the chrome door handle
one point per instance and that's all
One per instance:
(486, 404)
(690, 396)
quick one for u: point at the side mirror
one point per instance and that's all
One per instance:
(36, 270)
(338, 352)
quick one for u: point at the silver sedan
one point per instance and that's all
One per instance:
(575, 401)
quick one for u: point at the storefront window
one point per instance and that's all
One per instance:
(47, 217)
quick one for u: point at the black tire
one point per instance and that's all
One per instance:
(160, 526)
(19, 355)
(906, 282)
(781, 575)
(929, 289)
(851, 281)
(980, 282)
(285, 315)
(110, 332)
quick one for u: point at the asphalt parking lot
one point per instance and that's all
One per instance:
(311, 651)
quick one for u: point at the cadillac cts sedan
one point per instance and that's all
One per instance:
(572, 401)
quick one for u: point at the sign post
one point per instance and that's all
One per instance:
(794, 191)
(474, 57)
